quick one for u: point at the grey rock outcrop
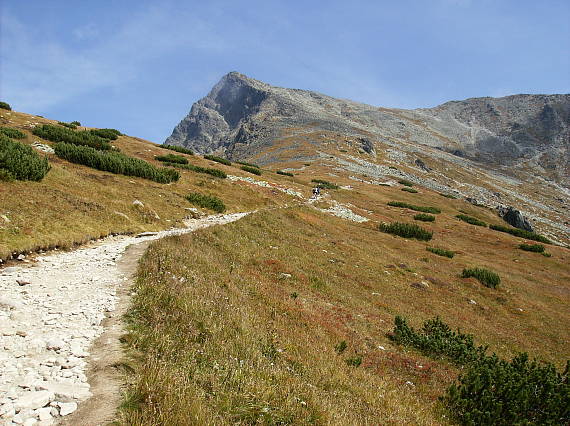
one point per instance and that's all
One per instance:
(514, 218)
(241, 117)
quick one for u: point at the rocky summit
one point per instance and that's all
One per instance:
(242, 116)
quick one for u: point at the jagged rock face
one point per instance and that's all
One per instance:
(515, 218)
(241, 117)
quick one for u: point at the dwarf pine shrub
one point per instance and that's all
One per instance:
(172, 158)
(253, 170)
(21, 162)
(218, 160)
(114, 162)
(521, 233)
(406, 230)
(206, 201)
(68, 125)
(281, 172)
(441, 252)
(180, 149)
(243, 163)
(12, 133)
(493, 391)
(354, 361)
(63, 134)
(410, 190)
(536, 248)
(111, 134)
(4, 105)
(209, 171)
(471, 220)
(424, 209)
(484, 276)
(340, 347)
(75, 123)
(424, 217)
(436, 339)
(323, 184)
(453, 197)
(405, 182)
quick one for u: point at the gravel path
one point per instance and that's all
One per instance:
(50, 314)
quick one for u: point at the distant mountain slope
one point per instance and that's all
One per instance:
(242, 116)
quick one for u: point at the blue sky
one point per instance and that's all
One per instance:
(139, 65)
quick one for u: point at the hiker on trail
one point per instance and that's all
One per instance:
(318, 188)
(315, 192)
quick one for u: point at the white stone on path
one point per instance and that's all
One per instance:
(66, 408)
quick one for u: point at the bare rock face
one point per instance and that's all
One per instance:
(242, 116)
(515, 218)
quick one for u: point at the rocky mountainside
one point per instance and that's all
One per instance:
(242, 116)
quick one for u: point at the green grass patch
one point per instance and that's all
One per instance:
(172, 158)
(406, 230)
(453, 197)
(180, 149)
(424, 217)
(324, 184)
(484, 276)
(114, 162)
(536, 248)
(405, 182)
(441, 252)
(218, 159)
(20, 162)
(281, 172)
(206, 170)
(521, 233)
(69, 136)
(111, 134)
(6, 106)
(471, 220)
(253, 170)
(423, 209)
(206, 201)
(12, 133)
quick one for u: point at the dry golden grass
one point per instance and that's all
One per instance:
(219, 333)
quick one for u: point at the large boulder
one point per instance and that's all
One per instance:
(514, 218)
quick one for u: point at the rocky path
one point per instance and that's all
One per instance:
(51, 313)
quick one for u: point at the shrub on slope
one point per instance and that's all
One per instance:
(21, 162)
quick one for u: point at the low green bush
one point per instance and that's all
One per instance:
(410, 190)
(340, 347)
(436, 339)
(354, 361)
(536, 248)
(323, 184)
(243, 163)
(424, 209)
(470, 219)
(493, 391)
(75, 123)
(405, 182)
(212, 172)
(62, 134)
(281, 172)
(453, 197)
(218, 160)
(172, 158)
(180, 149)
(441, 252)
(253, 170)
(206, 201)
(68, 125)
(484, 276)
(518, 392)
(114, 162)
(20, 162)
(424, 217)
(4, 105)
(521, 233)
(406, 230)
(12, 133)
(111, 134)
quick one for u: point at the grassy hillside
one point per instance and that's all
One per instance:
(245, 323)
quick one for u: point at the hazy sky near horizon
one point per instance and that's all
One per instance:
(138, 65)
